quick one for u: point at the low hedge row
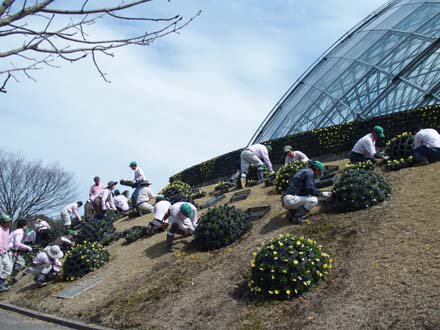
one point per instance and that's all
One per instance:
(315, 143)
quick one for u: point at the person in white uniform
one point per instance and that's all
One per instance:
(365, 148)
(426, 147)
(256, 155)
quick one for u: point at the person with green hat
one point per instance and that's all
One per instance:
(256, 155)
(17, 248)
(161, 212)
(121, 202)
(5, 261)
(139, 176)
(301, 194)
(66, 241)
(183, 221)
(365, 148)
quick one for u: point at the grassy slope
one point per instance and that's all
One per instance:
(386, 272)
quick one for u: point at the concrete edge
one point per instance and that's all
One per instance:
(51, 318)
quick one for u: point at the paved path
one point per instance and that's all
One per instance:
(14, 321)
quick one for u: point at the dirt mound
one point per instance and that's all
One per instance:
(386, 272)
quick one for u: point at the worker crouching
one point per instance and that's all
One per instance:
(47, 265)
(301, 194)
(183, 220)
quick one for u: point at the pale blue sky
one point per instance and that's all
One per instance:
(182, 100)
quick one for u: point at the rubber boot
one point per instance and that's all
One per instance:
(41, 280)
(260, 175)
(3, 285)
(299, 216)
(170, 240)
(14, 276)
(243, 182)
(150, 229)
(290, 215)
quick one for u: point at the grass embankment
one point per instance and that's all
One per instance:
(386, 272)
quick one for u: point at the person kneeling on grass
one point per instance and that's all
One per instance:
(183, 220)
(143, 196)
(301, 194)
(17, 247)
(426, 146)
(121, 202)
(47, 265)
(365, 148)
(161, 214)
(65, 241)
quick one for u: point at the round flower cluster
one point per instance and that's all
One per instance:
(400, 147)
(177, 191)
(287, 267)
(285, 173)
(359, 189)
(102, 231)
(82, 259)
(221, 226)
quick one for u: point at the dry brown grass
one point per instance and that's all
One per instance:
(386, 272)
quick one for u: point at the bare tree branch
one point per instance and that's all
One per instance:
(41, 33)
(28, 188)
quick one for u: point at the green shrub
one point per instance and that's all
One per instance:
(359, 189)
(285, 173)
(82, 259)
(101, 231)
(177, 191)
(400, 147)
(134, 233)
(221, 226)
(287, 267)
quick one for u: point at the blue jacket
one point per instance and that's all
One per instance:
(302, 184)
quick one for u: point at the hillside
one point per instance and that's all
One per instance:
(386, 272)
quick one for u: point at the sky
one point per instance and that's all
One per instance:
(182, 100)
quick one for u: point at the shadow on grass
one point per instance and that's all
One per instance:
(160, 248)
(277, 222)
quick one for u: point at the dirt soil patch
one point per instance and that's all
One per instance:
(386, 271)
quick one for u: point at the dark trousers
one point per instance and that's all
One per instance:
(356, 157)
(432, 154)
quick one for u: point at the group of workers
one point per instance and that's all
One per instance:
(46, 264)
(299, 198)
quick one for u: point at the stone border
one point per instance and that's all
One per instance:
(50, 318)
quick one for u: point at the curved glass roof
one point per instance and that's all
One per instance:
(387, 63)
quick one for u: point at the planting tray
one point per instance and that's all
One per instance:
(216, 193)
(222, 189)
(256, 213)
(212, 201)
(241, 195)
(326, 181)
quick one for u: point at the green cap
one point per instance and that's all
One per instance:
(269, 148)
(379, 131)
(133, 163)
(72, 232)
(186, 210)
(317, 165)
(159, 197)
(117, 192)
(5, 218)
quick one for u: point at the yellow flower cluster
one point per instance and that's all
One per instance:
(288, 266)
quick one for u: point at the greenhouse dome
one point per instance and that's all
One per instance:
(389, 62)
